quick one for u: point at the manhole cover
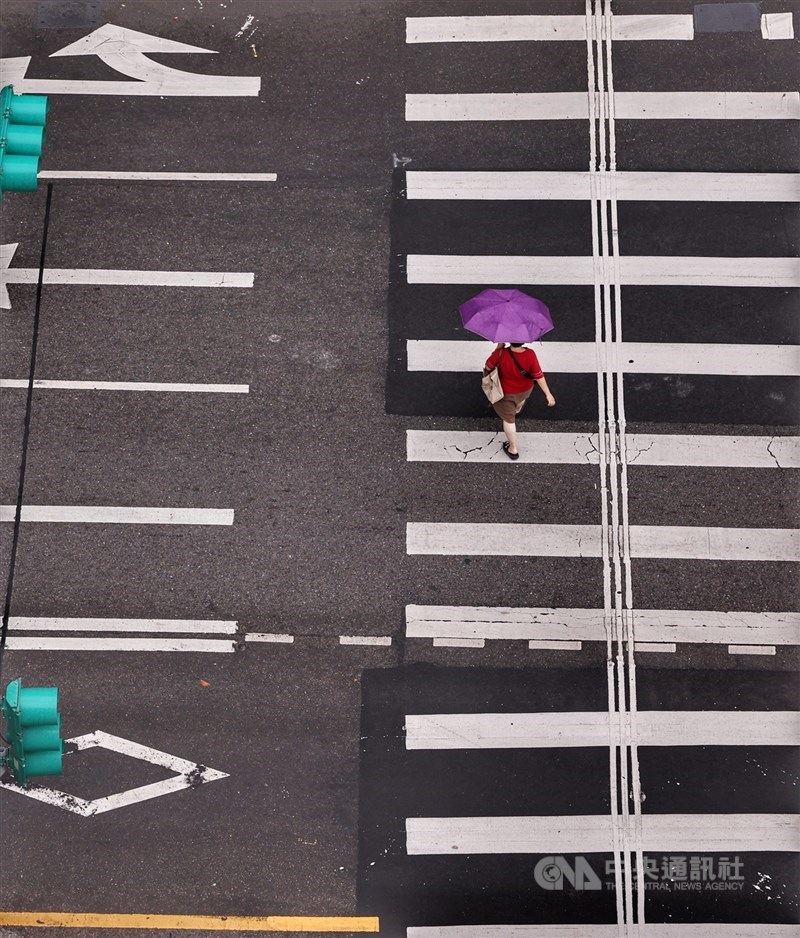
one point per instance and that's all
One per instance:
(727, 17)
(65, 14)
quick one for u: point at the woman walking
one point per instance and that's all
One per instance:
(518, 368)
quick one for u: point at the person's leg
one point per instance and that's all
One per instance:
(510, 430)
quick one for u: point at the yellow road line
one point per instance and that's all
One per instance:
(265, 923)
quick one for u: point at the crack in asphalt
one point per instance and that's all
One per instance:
(639, 451)
(769, 450)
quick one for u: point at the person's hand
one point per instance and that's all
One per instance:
(551, 401)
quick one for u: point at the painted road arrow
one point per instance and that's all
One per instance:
(125, 278)
(125, 50)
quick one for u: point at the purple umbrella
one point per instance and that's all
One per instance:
(506, 316)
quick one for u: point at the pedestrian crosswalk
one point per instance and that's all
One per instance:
(624, 301)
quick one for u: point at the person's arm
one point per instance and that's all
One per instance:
(542, 382)
(493, 359)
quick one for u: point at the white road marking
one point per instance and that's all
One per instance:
(124, 50)
(643, 449)
(777, 26)
(584, 540)
(751, 649)
(698, 833)
(504, 540)
(665, 647)
(46, 384)
(627, 186)
(365, 640)
(629, 105)
(15, 643)
(531, 28)
(269, 637)
(658, 930)
(154, 177)
(57, 624)
(593, 728)
(459, 643)
(554, 646)
(151, 278)
(655, 625)
(188, 775)
(653, 358)
(578, 270)
(105, 514)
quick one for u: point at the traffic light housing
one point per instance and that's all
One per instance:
(22, 120)
(32, 731)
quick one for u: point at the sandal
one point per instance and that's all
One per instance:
(509, 454)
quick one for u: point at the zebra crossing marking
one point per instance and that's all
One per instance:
(537, 28)
(579, 270)
(593, 833)
(100, 643)
(643, 449)
(629, 105)
(565, 28)
(659, 626)
(627, 186)
(650, 358)
(675, 542)
(105, 514)
(577, 729)
(59, 624)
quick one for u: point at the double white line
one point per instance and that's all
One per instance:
(625, 785)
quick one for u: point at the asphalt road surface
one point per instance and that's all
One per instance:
(323, 651)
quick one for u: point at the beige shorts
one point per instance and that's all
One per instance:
(506, 407)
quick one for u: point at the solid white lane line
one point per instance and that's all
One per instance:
(584, 540)
(653, 358)
(57, 624)
(591, 728)
(699, 833)
(629, 105)
(665, 647)
(477, 446)
(15, 643)
(642, 449)
(365, 640)
(578, 270)
(269, 637)
(658, 930)
(498, 540)
(751, 650)
(105, 514)
(531, 28)
(747, 629)
(130, 278)
(45, 384)
(147, 177)
(628, 186)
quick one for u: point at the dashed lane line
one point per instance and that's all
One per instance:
(104, 514)
(230, 923)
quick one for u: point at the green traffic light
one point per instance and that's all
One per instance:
(33, 731)
(22, 120)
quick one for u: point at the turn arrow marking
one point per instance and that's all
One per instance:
(125, 50)
(141, 278)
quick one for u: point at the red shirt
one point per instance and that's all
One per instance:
(511, 378)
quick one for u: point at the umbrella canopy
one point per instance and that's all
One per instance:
(506, 316)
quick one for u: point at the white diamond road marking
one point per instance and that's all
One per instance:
(188, 775)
